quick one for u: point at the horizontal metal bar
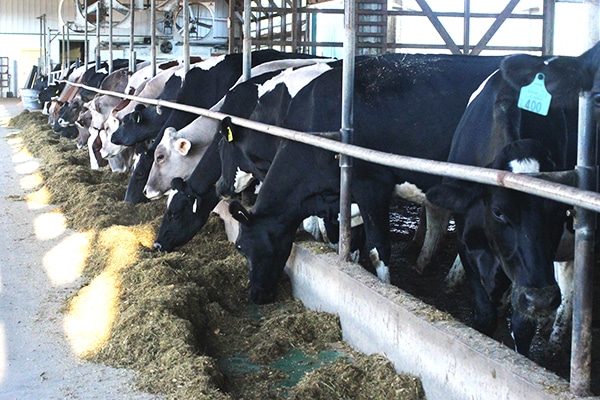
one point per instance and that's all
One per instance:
(523, 183)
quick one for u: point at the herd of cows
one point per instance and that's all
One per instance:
(463, 109)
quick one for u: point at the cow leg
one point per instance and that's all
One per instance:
(485, 313)
(558, 342)
(433, 224)
(374, 209)
(437, 225)
(522, 330)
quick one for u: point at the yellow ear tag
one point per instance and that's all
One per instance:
(229, 134)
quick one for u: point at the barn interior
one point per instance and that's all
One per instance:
(50, 35)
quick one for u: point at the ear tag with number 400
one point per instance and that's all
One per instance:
(534, 97)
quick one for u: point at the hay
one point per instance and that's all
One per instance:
(359, 379)
(182, 319)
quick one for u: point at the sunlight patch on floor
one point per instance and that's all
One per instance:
(49, 225)
(65, 262)
(92, 313)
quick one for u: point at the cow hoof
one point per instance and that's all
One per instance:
(383, 273)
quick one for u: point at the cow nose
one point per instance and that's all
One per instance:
(539, 302)
(157, 246)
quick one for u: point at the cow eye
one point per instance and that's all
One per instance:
(160, 157)
(596, 98)
(498, 215)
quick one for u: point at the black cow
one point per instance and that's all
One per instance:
(145, 122)
(203, 88)
(508, 237)
(516, 235)
(406, 104)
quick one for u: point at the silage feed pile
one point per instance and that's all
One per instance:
(182, 319)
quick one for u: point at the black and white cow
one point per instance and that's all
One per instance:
(406, 104)
(189, 206)
(145, 122)
(509, 239)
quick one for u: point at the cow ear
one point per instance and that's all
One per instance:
(178, 184)
(183, 146)
(239, 213)
(227, 129)
(455, 196)
(139, 107)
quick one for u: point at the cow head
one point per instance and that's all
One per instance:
(266, 244)
(168, 163)
(143, 159)
(83, 125)
(245, 156)
(234, 164)
(140, 125)
(521, 231)
(186, 214)
(565, 77)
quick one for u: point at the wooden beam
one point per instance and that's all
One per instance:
(495, 26)
(439, 27)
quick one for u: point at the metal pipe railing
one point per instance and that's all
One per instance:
(587, 199)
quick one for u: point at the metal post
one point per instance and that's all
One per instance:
(68, 44)
(295, 26)
(63, 49)
(110, 37)
(41, 43)
(47, 38)
(231, 24)
(467, 27)
(548, 27)
(585, 225)
(247, 41)
(97, 35)
(86, 55)
(347, 130)
(132, 57)
(153, 37)
(186, 36)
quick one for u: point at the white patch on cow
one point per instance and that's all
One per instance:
(242, 180)
(170, 132)
(205, 65)
(102, 71)
(383, 272)
(563, 272)
(311, 225)
(456, 275)
(257, 188)
(315, 226)
(355, 217)
(170, 198)
(480, 88)
(410, 192)
(294, 79)
(524, 166)
(93, 161)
